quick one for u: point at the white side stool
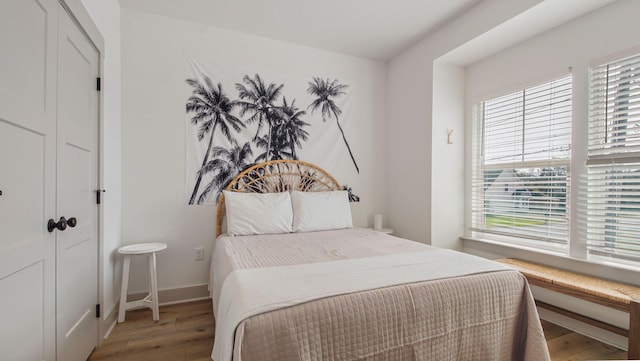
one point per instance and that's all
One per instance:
(151, 300)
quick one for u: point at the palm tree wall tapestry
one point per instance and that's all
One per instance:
(237, 119)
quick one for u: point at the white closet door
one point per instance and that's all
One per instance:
(28, 44)
(77, 247)
(48, 169)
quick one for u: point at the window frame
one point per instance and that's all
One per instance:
(477, 164)
(603, 154)
(577, 245)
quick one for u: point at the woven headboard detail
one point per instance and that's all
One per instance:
(278, 176)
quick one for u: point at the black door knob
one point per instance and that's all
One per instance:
(71, 222)
(61, 225)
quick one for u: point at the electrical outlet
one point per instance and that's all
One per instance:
(199, 253)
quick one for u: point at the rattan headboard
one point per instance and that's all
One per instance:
(278, 176)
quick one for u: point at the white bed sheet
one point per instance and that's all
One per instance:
(230, 253)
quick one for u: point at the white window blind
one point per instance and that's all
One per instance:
(521, 157)
(613, 202)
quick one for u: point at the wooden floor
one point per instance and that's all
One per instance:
(566, 345)
(185, 333)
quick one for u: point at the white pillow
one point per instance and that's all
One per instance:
(258, 213)
(320, 211)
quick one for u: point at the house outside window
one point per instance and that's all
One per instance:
(521, 158)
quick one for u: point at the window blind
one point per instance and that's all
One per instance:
(613, 202)
(521, 156)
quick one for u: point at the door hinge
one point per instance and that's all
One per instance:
(98, 310)
(99, 195)
(98, 84)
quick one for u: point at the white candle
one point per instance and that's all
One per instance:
(377, 222)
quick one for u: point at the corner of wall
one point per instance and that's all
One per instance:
(448, 145)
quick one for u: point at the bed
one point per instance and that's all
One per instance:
(357, 294)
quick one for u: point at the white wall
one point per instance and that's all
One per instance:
(447, 158)
(106, 15)
(417, 158)
(153, 132)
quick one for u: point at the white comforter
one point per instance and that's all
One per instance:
(248, 292)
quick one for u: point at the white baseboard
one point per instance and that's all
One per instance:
(107, 324)
(176, 295)
(601, 313)
(113, 325)
(593, 332)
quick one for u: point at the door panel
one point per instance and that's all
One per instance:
(75, 178)
(77, 77)
(23, 181)
(22, 293)
(77, 247)
(28, 42)
(23, 35)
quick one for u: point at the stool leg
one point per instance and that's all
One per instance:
(124, 287)
(154, 286)
(150, 278)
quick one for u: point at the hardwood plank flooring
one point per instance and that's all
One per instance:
(185, 333)
(566, 345)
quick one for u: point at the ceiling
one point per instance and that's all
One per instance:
(374, 29)
(536, 20)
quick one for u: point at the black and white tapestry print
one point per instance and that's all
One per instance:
(236, 119)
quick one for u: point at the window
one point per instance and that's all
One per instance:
(613, 202)
(521, 157)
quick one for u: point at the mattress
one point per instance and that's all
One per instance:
(479, 316)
